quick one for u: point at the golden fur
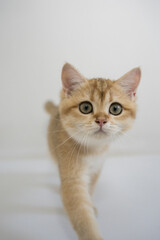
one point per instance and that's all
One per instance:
(74, 142)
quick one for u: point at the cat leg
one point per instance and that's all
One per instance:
(93, 181)
(77, 202)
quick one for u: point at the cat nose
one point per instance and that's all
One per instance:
(100, 122)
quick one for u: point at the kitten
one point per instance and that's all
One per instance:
(91, 113)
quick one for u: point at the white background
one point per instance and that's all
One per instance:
(101, 38)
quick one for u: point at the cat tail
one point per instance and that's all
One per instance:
(50, 107)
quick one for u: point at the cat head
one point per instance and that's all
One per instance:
(97, 110)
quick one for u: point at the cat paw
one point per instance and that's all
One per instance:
(99, 238)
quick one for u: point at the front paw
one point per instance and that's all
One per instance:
(92, 238)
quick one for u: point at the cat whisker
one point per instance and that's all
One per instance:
(67, 139)
(71, 153)
(81, 144)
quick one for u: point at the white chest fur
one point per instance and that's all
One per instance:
(94, 163)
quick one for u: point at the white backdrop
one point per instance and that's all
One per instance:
(104, 38)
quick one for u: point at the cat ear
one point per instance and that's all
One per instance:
(71, 78)
(130, 81)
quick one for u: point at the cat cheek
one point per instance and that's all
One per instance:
(108, 124)
(126, 125)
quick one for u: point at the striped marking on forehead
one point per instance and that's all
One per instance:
(99, 89)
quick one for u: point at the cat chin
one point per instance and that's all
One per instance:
(96, 139)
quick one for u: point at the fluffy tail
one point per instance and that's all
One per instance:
(50, 107)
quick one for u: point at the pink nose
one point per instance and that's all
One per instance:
(100, 122)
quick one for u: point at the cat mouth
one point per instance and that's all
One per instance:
(100, 131)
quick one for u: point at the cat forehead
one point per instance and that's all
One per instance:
(99, 84)
(98, 89)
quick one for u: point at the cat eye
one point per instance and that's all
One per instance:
(115, 109)
(85, 107)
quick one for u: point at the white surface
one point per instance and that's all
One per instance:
(127, 198)
(102, 38)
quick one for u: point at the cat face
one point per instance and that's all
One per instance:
(96, 111)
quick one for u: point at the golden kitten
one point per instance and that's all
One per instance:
(91, 113)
